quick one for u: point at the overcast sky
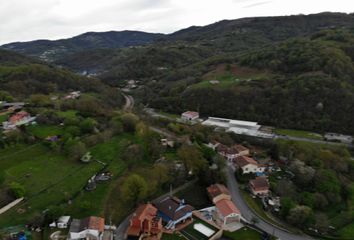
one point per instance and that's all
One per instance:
(24, 20)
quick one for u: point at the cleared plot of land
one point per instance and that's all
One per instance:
(299, 133)
(230, 75)
(43, 131)
(93, 203)
(244, 234)
(48, 178)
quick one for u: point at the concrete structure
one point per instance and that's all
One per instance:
(173, 211)
(62, 222)
(248, 165)
(338, 138)
(237, 127)
(259, 186)
(10, 205)
(89, 228)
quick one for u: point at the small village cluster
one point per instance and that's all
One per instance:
(168, 215)
(171, 215)
(18, 117)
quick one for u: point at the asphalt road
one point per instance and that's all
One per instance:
(248, 214)
(311, 140)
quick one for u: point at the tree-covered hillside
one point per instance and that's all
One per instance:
(22, 76)
(50, 50)
(310, 86)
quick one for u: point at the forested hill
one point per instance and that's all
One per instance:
(50, 50)
(22, 76)
(301, 83)
(227, 35)
(266, 28)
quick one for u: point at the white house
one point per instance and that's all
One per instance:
(62, 222)
(89, 228)
(190, 116)
(249, 165)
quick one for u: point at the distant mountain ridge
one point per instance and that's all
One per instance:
(226, 35)
(49, 50)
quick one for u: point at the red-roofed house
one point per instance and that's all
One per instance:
(190, 116)
(259, 186)
(227, 212)
(231, 153)
(19, 117)
(145, 222)
(248, 165)
(218, 192)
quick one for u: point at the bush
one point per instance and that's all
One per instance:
(17, 190)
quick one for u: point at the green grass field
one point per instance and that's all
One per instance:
(244, 234)
(52, 179)
(299, 133)
(48, 178)
(174, 236)
(231, 77)
(4, 118)
(108, 152)
(43, 131)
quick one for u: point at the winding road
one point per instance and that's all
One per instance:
(129, 102)
(248, 213)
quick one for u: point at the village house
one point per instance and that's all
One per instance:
(248, 165)
(259, 186)
(190, 117)
(73, 95)
(227, 212)
(62, 222)
(89, 228)
(173, 211)
(167, 143)
(145, 223)
(218, 192)
(231, 153)
(18, 119)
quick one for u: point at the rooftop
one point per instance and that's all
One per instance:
(243, 161)
(173, 208)
(217, 189)
(260, 182)
(227, 207)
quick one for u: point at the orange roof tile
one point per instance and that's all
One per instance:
(217, 189)
(227, 207)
